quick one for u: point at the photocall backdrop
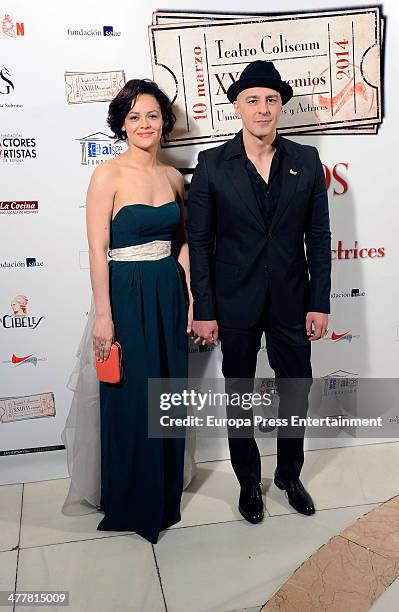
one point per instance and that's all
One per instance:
(60, 64)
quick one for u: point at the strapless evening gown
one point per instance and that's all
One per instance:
(142, 477)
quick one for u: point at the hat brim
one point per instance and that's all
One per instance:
(282, 87)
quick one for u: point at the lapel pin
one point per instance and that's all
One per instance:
(294, 172)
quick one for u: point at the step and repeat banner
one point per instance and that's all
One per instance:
(61, 64)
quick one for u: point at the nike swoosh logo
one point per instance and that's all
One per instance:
(15, 359)
(335, 336)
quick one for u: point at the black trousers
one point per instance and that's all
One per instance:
(288, 350)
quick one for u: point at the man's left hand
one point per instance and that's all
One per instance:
(316, 325)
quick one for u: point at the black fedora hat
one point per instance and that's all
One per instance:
(260, 73)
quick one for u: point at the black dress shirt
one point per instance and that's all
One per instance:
(267, 194)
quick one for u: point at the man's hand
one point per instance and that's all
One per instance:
(316, 325)
(206, 332)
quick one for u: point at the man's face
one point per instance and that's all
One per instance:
(259, 108)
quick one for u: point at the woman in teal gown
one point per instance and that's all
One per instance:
(142, 477)
(141, 299)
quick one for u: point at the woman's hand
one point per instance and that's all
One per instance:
(190, 318)
(103, 335)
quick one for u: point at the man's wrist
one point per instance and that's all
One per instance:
(203, 312)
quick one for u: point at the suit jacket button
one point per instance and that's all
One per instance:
(266, 268)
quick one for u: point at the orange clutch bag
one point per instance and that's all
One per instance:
(110, 370)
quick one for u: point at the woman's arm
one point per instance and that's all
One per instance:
(180, 241)
(99, 205)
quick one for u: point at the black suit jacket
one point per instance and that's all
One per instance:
(236, 262)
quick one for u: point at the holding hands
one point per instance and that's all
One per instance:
(206, 332)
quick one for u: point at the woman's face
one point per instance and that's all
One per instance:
(16, 307)
(144, 122)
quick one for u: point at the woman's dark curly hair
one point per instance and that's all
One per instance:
(122, 103)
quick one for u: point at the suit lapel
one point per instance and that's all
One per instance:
(290, 173)
(242, 184)
(239, 178)
(238, 175)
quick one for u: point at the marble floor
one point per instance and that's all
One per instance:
(213, 560)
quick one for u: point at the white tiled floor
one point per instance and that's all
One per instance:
(213, 561)
(203, 500)
(10, 516)
(220, 567)
(331, 477)
(42, 520)
(117, 573)
(8, 565)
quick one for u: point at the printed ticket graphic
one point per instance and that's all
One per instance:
(27, 407)
(332, 60)
(84, 87)
(159, 17)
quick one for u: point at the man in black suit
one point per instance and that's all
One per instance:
(254, 203)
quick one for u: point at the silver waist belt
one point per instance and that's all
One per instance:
(157, 249)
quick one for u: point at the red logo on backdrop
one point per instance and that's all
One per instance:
(19, 206)
(335, 178)
(11, 29)
(355, 252)
(346, 335)
(16, 359)
(335, 336)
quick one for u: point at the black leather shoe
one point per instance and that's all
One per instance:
(250, 504)
(298, 497)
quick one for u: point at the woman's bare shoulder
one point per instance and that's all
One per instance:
(107, 169)
(172, 170)
(174, 175)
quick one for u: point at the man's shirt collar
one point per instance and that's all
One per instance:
(277, 144)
